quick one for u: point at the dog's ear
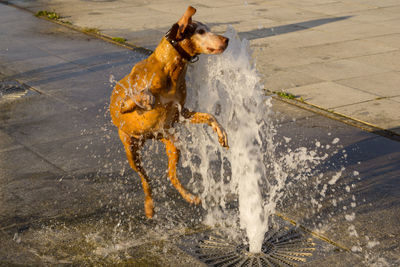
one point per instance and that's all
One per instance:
(185, 20)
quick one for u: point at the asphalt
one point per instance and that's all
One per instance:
(68, 196)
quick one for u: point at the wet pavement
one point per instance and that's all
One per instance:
(68, 196)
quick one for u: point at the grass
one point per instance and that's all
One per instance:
(119, 40)
(55, 16)
(286, 95)
(52, 15)
(91, 30)
(48, 14)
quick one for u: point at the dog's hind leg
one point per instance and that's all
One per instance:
(173, 157)
(132, 146)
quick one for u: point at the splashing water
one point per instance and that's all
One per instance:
(228, 86)
(252, 172)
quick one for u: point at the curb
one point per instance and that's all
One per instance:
(365, 126)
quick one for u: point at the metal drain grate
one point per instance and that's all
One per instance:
(10, 90)
(284, 247)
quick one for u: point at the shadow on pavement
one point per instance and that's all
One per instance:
(266, 32)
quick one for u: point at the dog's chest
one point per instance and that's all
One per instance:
(172, 89)
(173, 94)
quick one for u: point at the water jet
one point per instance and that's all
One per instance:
(252, 170)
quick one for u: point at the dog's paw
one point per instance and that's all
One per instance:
(193, 199)
(127, 105)
(223, 139)
(222, 136)
(149, 207)
(147, 100)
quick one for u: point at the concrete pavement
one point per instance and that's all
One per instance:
(338, 56)
(68, 197)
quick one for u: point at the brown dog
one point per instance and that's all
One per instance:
(150, 99)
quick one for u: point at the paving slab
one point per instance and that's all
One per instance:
(282, 79)
(388, 61)
(383, 84)
(360, 29)
(391, 39)
(335, 8)
(302, 38)
(68, 196)
(339, 69)
(397, 99)
(344, 96)
(352, 48)
(383, 3)
(376, 14)
(381, 112)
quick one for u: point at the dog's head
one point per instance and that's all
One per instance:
(195, 37)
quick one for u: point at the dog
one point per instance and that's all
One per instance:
(147, 102)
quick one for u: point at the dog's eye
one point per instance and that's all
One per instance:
(201, 31)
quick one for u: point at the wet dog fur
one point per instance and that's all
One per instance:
(147, 102)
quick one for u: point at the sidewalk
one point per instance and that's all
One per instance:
(68, 196)
(339, 56)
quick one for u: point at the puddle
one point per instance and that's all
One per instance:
(11, 90)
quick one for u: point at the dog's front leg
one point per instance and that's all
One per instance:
(145, 100)
(198, 117)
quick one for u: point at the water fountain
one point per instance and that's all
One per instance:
(251, 171)
(230, 86)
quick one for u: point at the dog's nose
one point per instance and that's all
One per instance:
(224, 40)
